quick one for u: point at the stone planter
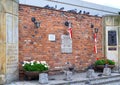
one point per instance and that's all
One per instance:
(31, 75)
(101, 67)
(43, 78)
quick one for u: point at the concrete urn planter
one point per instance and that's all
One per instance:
(31, 75)
(101, 67)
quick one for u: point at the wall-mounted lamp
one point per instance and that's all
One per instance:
(96, 30)
(69, 30)
(36, 23)
(92, 26)
(66, 23)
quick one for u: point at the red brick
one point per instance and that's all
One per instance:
(40, 48)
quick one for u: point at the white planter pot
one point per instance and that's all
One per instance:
(43, 78)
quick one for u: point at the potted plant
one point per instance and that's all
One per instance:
(33, 68)
(101, 63)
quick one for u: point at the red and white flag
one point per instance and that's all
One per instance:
(95, 40)
(95, 48)
(70, 31)
(95, 37)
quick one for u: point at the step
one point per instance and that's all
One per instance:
(92, 81)
(105, 80)
(117, 82)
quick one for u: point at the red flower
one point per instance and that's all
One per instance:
(97, 58)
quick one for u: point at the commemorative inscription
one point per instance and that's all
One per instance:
(12, 58)
(66, 44)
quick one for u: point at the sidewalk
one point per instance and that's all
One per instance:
(55, 79)
(77, 79)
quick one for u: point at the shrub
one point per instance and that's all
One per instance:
(35, 66)
(111, 62)
(104, 61)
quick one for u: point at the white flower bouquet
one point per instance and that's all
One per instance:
(41, 66)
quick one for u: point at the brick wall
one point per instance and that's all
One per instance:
(34, 43)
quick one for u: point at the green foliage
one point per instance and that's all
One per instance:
(111, 62)
(99, 62)
(104, 61)
(34, 66)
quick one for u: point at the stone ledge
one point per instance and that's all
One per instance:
(55, 71)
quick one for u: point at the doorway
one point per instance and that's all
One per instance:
(112, 43)
(111, 37)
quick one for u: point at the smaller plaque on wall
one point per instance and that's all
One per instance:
(112, 48)
(66, 44)
(51, 37)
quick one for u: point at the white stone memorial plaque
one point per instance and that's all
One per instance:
(9, 22)
(15, 29)
(66, 44)
(12, 58)
(51, 37)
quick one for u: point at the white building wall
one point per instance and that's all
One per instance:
(94, 9)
